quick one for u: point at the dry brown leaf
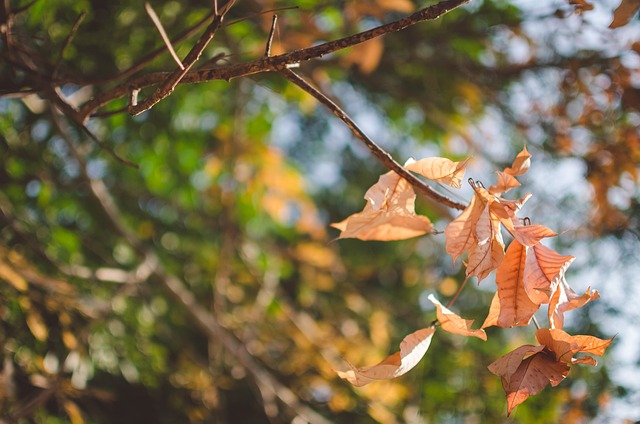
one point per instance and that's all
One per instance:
(564, 299)
(525, 371)
(528, 369)
(459, 234)
(388, 215)
(505, 183)
(530, 235)
(412, 349)
(440, 169)
(564, 345)
(592, 345)
(453, 323)
(532, 376)
(521, 163)
(624, 13)
(487, 253)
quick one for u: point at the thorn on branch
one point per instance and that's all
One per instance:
(171, 82)
(165, 38)
(267, 50)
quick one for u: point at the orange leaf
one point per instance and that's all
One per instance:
(592, 345)
(521, 163)
(560, 343)
(543, 271)
(453, 323)
(564, 345)
(564, 299)
(516, 308)
(412, 349)
(624, 13)
(440, 169)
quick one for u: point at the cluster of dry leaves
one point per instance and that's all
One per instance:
(528, 275)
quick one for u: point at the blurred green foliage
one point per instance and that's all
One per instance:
(236, 186)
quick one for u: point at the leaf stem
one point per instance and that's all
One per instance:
(455, 296)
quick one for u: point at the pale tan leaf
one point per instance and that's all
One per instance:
(388, 215)
(565, 299)
(543, 271)
(530, 235)
(384, 226)
(494, 312)
(624, 13)
(389, 192)
(521, 163)
(486, 255)
(453, 323)
(412, 349)
(516, 309)
(440, 169)
(505, 183)
(459, 234)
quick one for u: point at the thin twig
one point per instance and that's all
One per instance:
(163, 34)
(377, 151)
(67, 43)
(455, 296)
(272, 63)
(172, 81)
(535, 322)
(267, 50)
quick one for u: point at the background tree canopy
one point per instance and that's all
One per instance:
(202, 284)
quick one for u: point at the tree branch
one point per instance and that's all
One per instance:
(273, 63)
(172, 81)
(377, 151)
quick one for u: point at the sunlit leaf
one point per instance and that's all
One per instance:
(412, 349)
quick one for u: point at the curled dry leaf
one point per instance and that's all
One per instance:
(521, 163)
(440, 169)
(565, 299)
(453, 323)
(528, 369)
(412, 349)
(506, 179)
(388, 215)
